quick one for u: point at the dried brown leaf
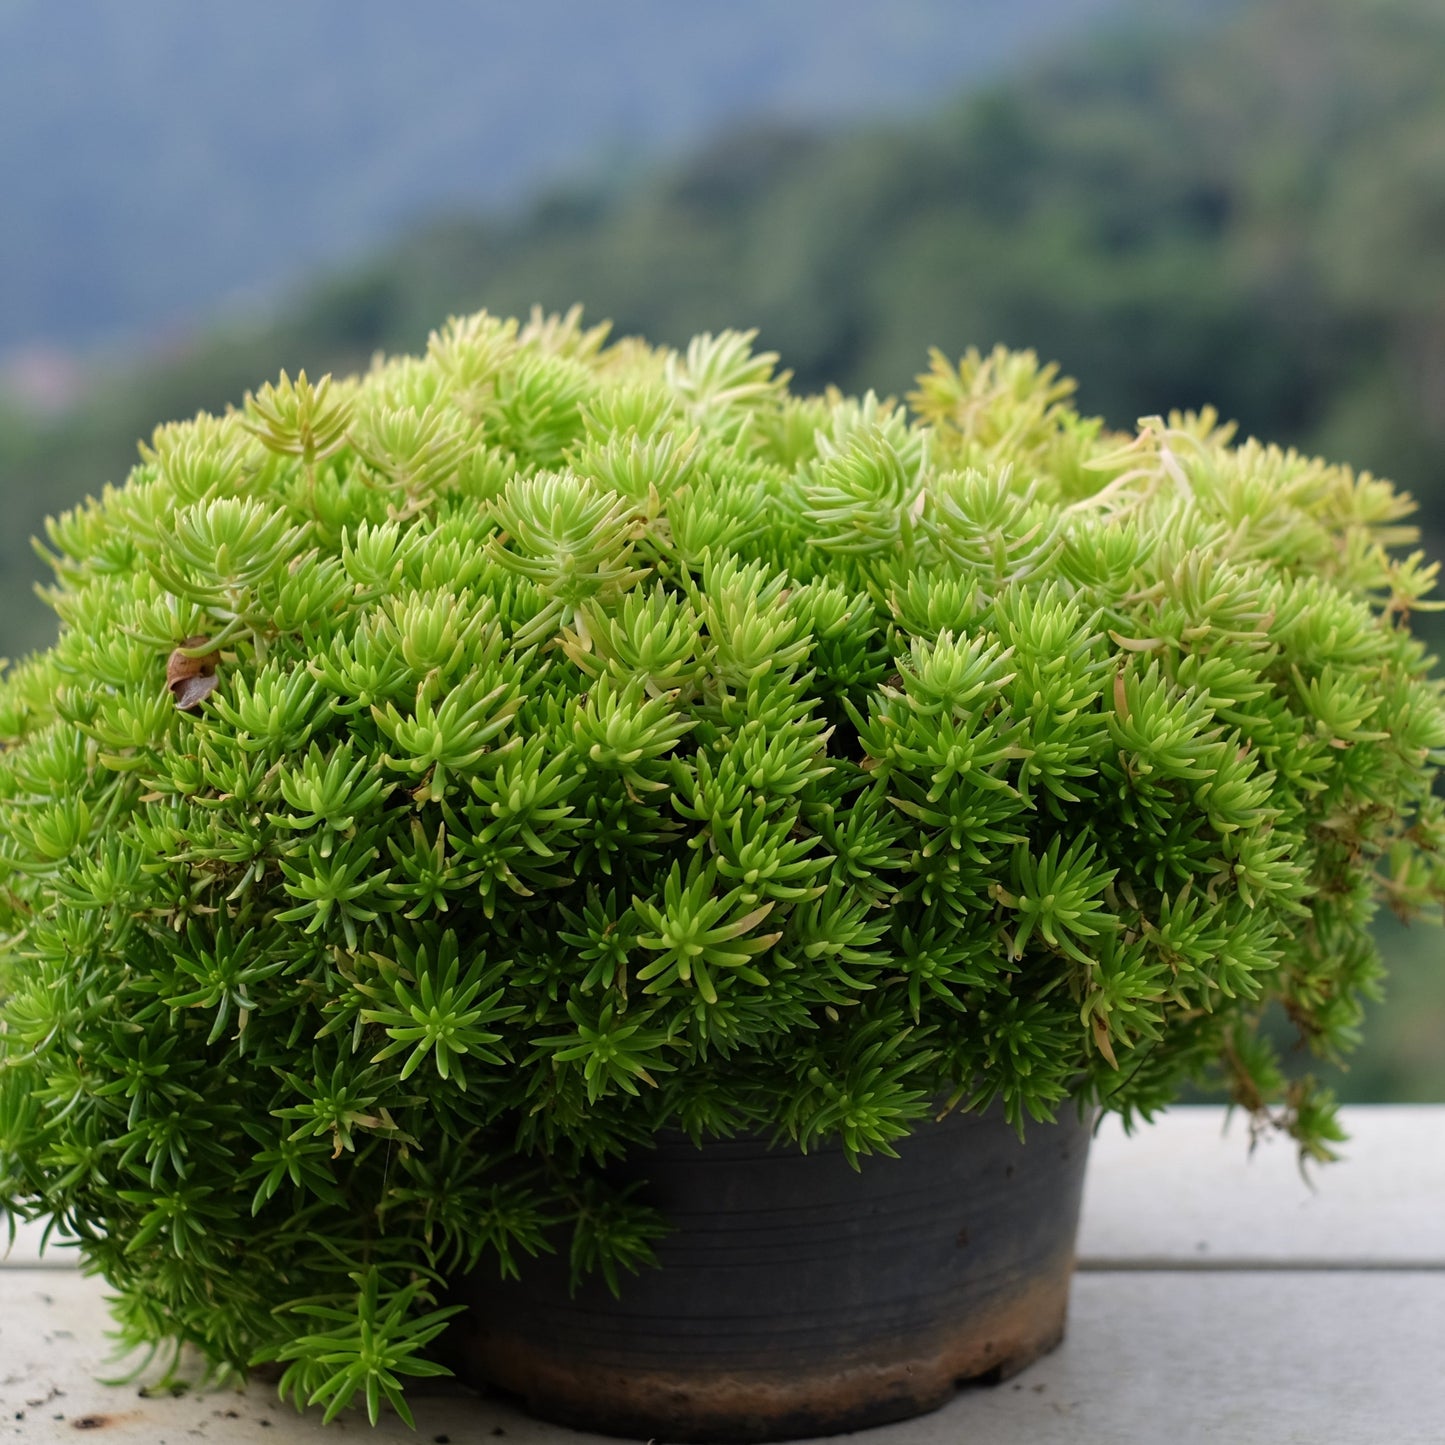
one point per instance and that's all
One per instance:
(191, 679)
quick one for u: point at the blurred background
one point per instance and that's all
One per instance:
(1187, 201)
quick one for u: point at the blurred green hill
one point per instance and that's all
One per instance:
(162, 156)
(1248, 213)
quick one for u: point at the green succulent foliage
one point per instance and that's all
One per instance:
(595, 739)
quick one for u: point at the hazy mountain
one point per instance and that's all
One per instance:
(162, 157)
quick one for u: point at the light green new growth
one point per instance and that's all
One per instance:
(444, 779)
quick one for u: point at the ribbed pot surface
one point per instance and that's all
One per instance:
(798, 1296)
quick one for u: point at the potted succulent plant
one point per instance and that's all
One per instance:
(544, 796)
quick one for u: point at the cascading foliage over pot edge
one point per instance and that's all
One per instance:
(447, 777)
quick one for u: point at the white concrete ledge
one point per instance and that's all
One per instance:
(1247, 1358)
(1220, 1299)
(1187, 1191)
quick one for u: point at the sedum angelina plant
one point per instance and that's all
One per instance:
(445, 779)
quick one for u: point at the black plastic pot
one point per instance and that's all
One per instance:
(798, 1296)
